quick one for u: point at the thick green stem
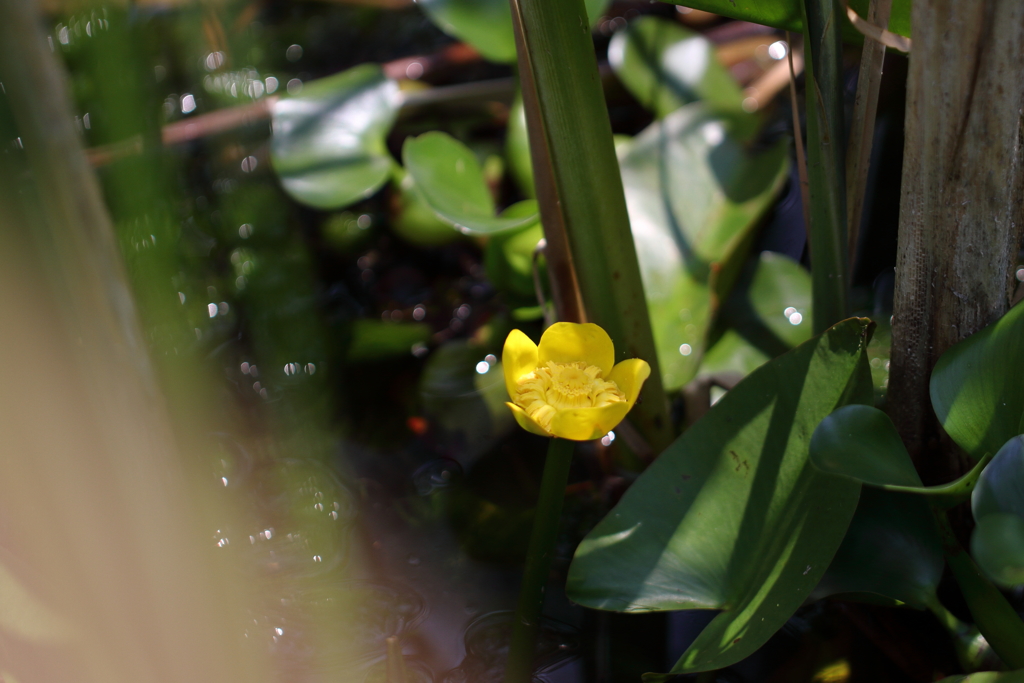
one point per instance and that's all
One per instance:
(826, 168)
(993, 615)
(538, 562)
(972, 650)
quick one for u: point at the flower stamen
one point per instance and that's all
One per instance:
(563, 386)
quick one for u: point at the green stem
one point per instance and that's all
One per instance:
(579, 188)
(993, 615)
(538, 562)
(826, 168)
(972, 650)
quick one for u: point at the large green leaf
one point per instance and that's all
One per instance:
(485, 24)
(891, 549)
(862, 444)
(976, 389)
(786, 14)
(665, 66)
(328, 142)
(997, 545)
(1001, 486)
(732, 516)
(694, 196)
(449, 178)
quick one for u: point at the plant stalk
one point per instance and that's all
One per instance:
(862, 129)
(993, 615)
(539, 555)
(579, 189)
(826, 167)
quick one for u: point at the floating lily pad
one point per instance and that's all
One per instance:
(328, 145)
(976, 389)
(694, 196)
(450, 180)
(732, 516)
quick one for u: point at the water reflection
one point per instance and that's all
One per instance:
(487, 641)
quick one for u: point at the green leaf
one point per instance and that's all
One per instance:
(987, 677)
(891, 549)
(508, 259)
(485, 24)
(414, 220)
(731, 516)
(328, 145)
(694, 196)
(1001, 486)
(998, 547)
(449, 178)
(862, 444)
(786, 14)
(976, 389)
(665, 66)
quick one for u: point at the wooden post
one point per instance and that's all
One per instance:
(962, 209)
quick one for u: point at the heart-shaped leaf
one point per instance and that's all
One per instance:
(328, 142)
(731, 516)
(665, 66)
(694, 196)
(976, 389)
(449, 178)
(862, 444)
(891, 549)
(1001, 486)
(997, 545)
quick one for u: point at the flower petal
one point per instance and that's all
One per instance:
(629, 377)
(525, 421)
(518, 358)
(584, 424)
(574, 342)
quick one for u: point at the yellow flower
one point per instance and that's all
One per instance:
(569, 386)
